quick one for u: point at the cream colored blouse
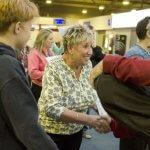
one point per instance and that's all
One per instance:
(61, 89)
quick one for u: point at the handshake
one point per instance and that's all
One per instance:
(100, 123)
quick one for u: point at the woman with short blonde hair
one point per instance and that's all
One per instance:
(66, 93)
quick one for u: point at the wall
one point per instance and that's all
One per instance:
(49, 22)
(99, 23)
(134, 38)
(100, 38)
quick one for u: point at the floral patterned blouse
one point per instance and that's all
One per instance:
(61, 89)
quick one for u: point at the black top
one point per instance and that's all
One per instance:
(19, 128)
(97, 55)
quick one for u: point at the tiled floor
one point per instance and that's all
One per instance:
(100, 142)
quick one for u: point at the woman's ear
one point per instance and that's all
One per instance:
(69, 49)
(17, 27)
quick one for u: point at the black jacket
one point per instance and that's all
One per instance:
(19, 128)
(97, 55)
(126, 103)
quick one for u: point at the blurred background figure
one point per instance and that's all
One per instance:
(58, 49)
(22, 56)
(38, 58)
(120, 48)
(97, 55)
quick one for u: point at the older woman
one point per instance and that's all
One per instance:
(66, 93)
(37, 60)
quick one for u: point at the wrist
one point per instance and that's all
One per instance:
(89, 120)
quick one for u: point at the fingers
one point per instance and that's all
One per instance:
(105, 127)
(102, 126)
(107, 118)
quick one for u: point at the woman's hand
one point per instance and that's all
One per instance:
(99, 124)
(96, 71)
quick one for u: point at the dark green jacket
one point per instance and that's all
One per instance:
(126, 103)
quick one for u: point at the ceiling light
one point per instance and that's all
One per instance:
(84, 11)
(101, 7)
(133, 10)
(48, 1)
(126, 2)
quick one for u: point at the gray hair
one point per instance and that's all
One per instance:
(75, 35)
(40, 39)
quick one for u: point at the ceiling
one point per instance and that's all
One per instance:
(73, 8)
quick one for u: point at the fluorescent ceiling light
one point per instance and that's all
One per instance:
(101, 7)
(48, 1)
(126, 2)
(133, 10)
(48, 26)
(84, 11)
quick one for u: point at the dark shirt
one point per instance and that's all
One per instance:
(19, 128)
(97, 55)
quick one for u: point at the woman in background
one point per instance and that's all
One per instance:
(37, 60)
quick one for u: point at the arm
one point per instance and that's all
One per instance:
(21, 110)
(33, 67)
(134, 70)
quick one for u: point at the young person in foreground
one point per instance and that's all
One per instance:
(19, 128)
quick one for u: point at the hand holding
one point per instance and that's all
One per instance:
(99, 124)
(104, 127)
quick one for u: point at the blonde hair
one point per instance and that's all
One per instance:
(75, 35)
(41, 38)
(16, 10)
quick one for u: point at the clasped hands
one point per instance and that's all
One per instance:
(100, 123)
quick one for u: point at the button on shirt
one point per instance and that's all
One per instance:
(61, 89)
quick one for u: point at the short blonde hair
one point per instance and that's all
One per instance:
(16, 10)
(41, 38)
(75, 35)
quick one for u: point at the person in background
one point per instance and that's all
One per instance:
(97, 55)
(120, 48)
(38, 58)
(22, 56)
(19, 128)
(57, 50)
(66, 94)
(142, 50)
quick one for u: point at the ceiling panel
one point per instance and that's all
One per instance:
(73, 8)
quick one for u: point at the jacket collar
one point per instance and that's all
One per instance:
(7, 50)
